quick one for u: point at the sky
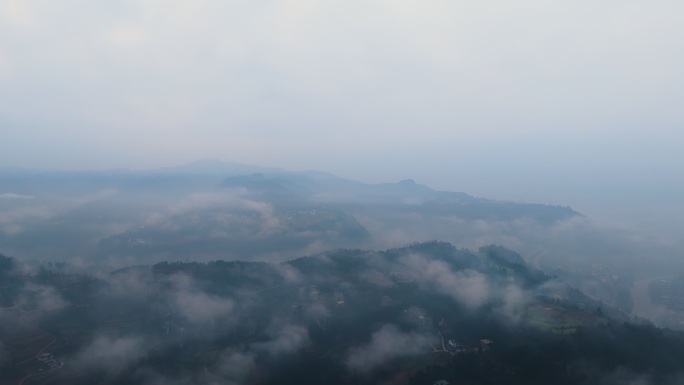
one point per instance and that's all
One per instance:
(565, 102)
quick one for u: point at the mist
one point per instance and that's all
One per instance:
(510, 102)
(343, 192)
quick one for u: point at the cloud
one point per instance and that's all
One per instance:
(514, 298)
(286, 339)
(386, 344)
(18, 14)
(128, 283)
(15, 196)
(468, 287)
(199, 201)
(111, 354)
(465, 286)
(290, 274)
(316, 311)
(232, 368)
(202, 310)
(13, 221)
(234, 365)
(40, 297)
(129, 35)
(563, 242)
(245, 79)
(21, 214)
(234, 200)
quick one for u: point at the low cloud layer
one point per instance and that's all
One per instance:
(386, 344)
(232, 368)
(285, 339)
(40, 297)
(10, 195)
(235, 200)
(574, 239)
(202, 309)
(468, 286)
(234, 365)
(111, 354)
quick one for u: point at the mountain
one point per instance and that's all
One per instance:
(214, 166)
(422, 314)
(213, 209)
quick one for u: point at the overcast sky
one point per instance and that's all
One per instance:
(570, 102)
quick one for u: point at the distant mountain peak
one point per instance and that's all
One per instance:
(208, 162)
(218, 166)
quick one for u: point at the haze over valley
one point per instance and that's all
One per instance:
(214, 210)
(342, 192)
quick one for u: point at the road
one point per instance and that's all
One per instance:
(41, 351)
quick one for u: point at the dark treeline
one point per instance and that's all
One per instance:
(412, 315)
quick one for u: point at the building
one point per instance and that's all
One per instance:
(454, 346)
(46, 358)
(485, 344)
